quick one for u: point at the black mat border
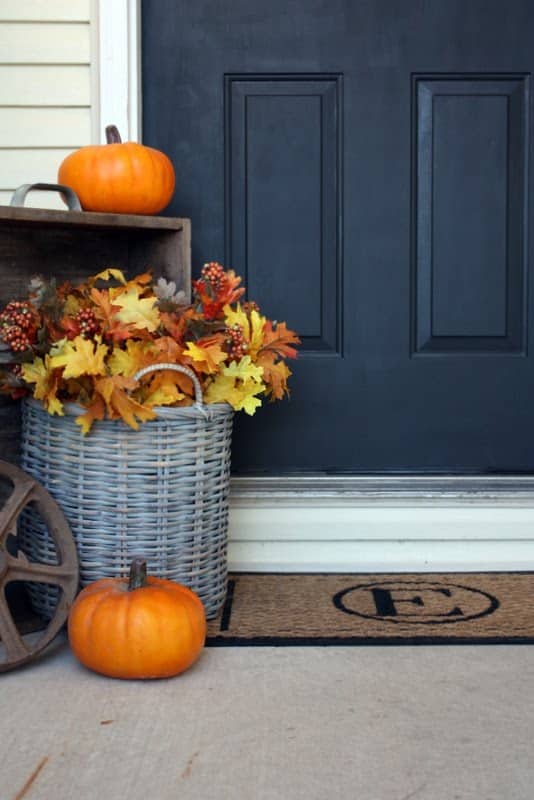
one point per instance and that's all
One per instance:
(370, 641)
(393, 572)
(354, 641)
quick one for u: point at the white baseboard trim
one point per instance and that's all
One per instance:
(355, 531)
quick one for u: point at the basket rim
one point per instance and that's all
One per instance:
(204, 410)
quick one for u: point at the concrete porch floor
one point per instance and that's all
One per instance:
(369, 723)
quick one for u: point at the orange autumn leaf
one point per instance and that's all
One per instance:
(106, 313)
(175, 327)
(166, 348)
(96, 411)
(139, 284)
(70, 327)
(163, 390)
(141, 280)
(275, 375)
(119, 404)
(206, 354)
(277, 339)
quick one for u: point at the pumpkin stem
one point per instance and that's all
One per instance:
(112, 135)
(137, 574)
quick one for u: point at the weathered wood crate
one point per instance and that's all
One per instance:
(73, 245)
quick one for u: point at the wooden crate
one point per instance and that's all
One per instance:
(73, 245)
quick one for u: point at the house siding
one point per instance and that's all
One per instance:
(48, 103)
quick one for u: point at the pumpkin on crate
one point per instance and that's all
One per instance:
(119, 177)
(141, 627)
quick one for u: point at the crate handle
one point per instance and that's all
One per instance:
(71, 198)
(175, 368)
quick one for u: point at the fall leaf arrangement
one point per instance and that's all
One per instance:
(84, 344)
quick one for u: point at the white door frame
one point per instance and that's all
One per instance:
(116, 68)
(324, 523)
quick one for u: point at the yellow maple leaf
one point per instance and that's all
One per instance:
(133, 358)
(107, 275)
(80, 357)
(40, 373)
(244, 370)
(236, 316)
(244, 397)
(219, 390)
(253, 328)
(241, 395)
(207, 356)
(119, 403)
(257, 324)
(37, 372)
(141, 312)
(138, 283)
(163, 393)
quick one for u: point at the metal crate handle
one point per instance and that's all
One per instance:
(71, 198)
(199, 401)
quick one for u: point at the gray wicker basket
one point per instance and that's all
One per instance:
(160, 492)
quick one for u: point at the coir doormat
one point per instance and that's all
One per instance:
(382, 609)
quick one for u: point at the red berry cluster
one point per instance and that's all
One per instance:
(17, 326)
(235, 340)
(250, 305)
(213, 274)
(87, 322)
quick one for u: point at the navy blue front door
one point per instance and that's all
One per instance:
(364, 165)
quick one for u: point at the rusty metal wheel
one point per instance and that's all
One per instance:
(64, 575)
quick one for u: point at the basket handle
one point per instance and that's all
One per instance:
(199, 401)
(70, 197)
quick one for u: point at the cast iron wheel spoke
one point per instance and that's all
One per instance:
(11, 638)
(15, 504)
(20, 569)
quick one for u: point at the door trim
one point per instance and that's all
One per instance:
(116, 68)
(382, 524)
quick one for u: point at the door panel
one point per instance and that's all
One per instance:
(365, 166)
(470, 157)
(283, 194)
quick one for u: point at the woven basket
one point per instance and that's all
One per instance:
(160, 492)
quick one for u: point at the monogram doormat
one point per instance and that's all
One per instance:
(382, 609)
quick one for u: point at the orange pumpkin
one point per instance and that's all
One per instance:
(119, 177)
(138, 627)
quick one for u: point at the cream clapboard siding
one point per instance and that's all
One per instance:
(47, 106)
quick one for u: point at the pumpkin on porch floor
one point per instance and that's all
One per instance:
(141, 627)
